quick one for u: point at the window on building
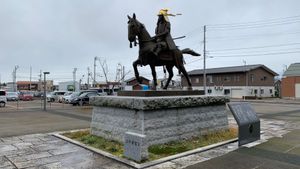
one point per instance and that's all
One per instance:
(197, 80)
(227, 91)
(271, 91)
(209, 91)
(262, 91)
(227, 79)
(264, 78)
(252, 77)
(209, 79)
(236, 78)
(255, 91)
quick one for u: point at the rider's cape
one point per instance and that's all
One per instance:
(162, 31)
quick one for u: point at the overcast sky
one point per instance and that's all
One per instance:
(59, 35)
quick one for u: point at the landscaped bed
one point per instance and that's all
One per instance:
(155, 151)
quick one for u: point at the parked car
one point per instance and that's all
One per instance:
(38, 94)
(3, 100)
(12, 96)
(61, 98)
(68, 98)
(71, 100)
(102, 92)
(111, 91)
(26, 96)
(53, 96)
(84, 98)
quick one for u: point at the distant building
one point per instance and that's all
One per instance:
(68, 86)
(290, 86)
(172, 85)
(236, 81)
(277, 86)
(27, 85)
(108, 85)
(132, 83)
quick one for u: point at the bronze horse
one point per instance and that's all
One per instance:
(169, 59)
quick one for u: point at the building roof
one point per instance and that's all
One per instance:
(293, 70)
(26, 82)
(232, 69)
(133, 78)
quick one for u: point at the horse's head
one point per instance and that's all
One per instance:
(134, 27)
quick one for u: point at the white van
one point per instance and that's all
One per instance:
(3, 99)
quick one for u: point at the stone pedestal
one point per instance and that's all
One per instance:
(160, 119)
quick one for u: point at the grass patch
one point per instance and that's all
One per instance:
(85, 137)
(155, 151)
(175, 147)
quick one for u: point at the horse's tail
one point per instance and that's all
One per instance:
(190, 51)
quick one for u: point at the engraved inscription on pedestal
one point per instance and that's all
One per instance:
(247, 120)
(135, 146)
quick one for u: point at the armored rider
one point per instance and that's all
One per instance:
(162, 33)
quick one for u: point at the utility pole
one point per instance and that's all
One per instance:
(74, 78)
(30, 78)
(15, 78)
(246, 75)
(88, 78)
(45, 86)
(95, 59)
(40, 80)
(204, 59)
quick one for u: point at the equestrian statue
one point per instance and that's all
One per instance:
(159, 50)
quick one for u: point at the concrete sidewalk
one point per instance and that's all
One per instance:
(277, 153)
(47, 151)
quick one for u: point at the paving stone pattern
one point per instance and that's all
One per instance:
(269, 128)
(48, 152)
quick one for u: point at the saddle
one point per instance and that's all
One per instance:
(167, 55)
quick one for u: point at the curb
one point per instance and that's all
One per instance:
(147, 164)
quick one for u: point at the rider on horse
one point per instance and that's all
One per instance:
(162, 33)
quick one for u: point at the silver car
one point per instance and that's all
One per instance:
(12, 96)
(54, 96)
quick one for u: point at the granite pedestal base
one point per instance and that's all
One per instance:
(160, 119)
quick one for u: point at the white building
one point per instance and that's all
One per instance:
(68, 86)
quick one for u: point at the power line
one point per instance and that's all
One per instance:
(255, 47)
(251, 27)
(274, 20)
(264, 51)
(251, 36)
(274, 53)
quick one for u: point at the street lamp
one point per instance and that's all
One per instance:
(45, 84)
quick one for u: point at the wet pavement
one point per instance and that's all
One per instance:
(47, 151)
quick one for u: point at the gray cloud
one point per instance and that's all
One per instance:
(57, 35)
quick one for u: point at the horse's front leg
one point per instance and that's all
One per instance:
(170, 71)
(154, 77)
(136, 72)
